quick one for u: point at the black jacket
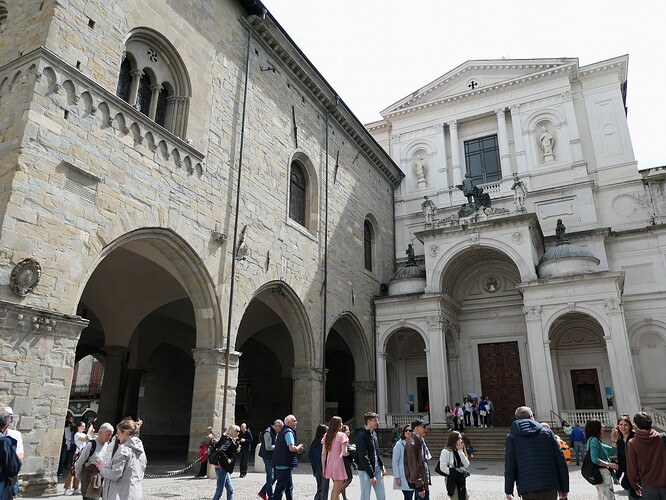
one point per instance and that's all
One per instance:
(367, 448)
(228, 448)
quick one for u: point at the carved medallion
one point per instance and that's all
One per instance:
(25, 277)
(491, 284)
(433, 250)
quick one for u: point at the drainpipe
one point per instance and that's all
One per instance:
(227, 356)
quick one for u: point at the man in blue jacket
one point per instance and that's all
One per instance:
(533, 460)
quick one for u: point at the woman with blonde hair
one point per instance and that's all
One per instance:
(123, 475)
(227, 448)
(333, 450)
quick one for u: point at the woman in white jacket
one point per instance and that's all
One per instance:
(398, 462)
(123, 475)
(453, 461)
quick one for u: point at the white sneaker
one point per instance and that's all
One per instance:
(69, 492)
(77, 491)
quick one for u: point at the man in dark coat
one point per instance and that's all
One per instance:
(533, 460)
(371, 469)
(245, 440)
(9, 461)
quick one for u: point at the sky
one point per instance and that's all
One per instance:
(375, 52)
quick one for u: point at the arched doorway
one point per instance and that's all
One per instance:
(150, 302)
(277, 372)
(406, 359)
(580, 361)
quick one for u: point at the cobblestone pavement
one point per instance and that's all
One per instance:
(486, 482)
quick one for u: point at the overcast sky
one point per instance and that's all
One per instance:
(375, 52)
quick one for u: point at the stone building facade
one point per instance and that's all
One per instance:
(152, 156)
(502, 309)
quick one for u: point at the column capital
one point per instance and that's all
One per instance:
(500, 112)
(532, 313)
(514, 108)
(613, 305)
(440, 126)
(156, 87)
(453, 124)
(307, 373)
(215, 356)
(363, 385)
(136, 73)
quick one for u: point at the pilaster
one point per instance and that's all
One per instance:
(505, 155)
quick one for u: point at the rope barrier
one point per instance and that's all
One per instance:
(175, 472)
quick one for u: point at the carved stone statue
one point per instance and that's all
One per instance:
(476, 198)
(410, 254)
(429, 210)
(519, 193)
(547, 144)
(560, 232)
(419, 170)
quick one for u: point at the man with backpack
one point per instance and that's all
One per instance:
(9, 461)
(266, 447)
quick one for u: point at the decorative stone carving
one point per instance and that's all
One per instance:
(25, 277)
(474, 237)
(517, 238)
(429, 210)
(571, 306)
(491, 284)
(363, 385)
(612, 305)
(532, 313)
(547, 144)
(434, 249)
(519, 193)
(434, 321)
(215, 357)
(306, 373)
(420, 171)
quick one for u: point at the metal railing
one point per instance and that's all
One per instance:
(403, 419)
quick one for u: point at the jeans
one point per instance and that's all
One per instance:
(285, 484)
(579, 449)
(540, 495)
(322, 487)
(654, 492)
(223, 481)
(364, 478)
(408, 494)
(268, 485)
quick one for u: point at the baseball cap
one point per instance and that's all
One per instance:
(9, 410)
(418, 421)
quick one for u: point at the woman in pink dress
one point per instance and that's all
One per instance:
(333, 449)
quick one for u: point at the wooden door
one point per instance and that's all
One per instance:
(587, 394)
(422, 393)
(501, 379)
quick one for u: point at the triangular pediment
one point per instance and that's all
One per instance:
(479, 76)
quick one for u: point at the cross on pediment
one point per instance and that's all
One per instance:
(473, 84)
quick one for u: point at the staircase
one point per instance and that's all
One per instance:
(488, 443)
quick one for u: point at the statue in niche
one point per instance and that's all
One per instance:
(419, 170)
(476, 198)
(547, 144)
(519, 193)
(429, 210)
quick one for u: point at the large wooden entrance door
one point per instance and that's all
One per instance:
(587, 395)
(501, 379)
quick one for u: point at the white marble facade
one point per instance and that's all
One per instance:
(562, 129)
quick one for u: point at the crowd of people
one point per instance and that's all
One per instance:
(472, 413)
(535, 464)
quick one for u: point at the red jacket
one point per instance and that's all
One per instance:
(646, 460)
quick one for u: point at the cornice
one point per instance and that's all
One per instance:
(525, 79)
(271, 35)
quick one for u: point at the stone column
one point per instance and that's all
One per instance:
(172, 112)
(441, 153)
(382, 389)
(37, 353)
(208, 393)
(395, 152)
(503, 137)
(437, 376)
(626, 396)
(113, 385)
(136, 75)
(455, 153)
(539, 364)
(308, 399)
(364, 400)
(131, 404)
(521, 160)
(155, 90)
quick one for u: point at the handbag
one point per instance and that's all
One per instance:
(438, 469)
(590, 470)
